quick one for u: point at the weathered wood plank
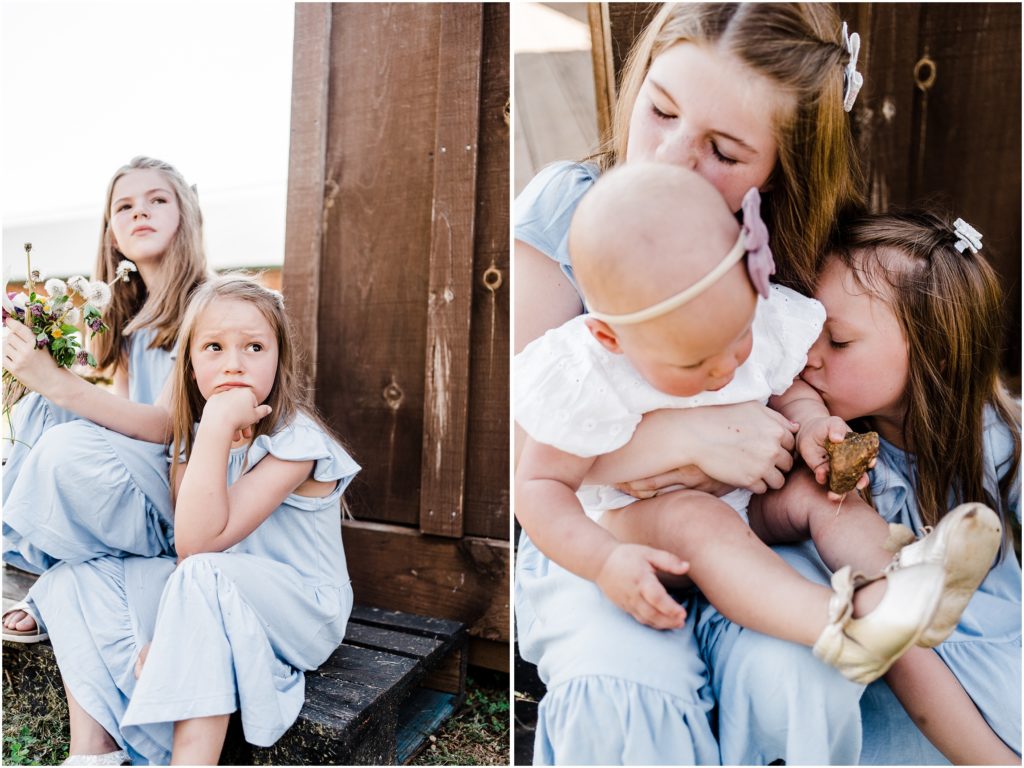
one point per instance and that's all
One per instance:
(307, 151)
(427, 626)
(446, 388)
(399, 643)
(465, 579)
(379, 179)
(486, 508)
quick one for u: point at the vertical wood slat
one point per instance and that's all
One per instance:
(449, 304)
(306, 168)
(377, 224)
(604, 66)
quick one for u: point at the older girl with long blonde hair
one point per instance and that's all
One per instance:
(746, 94)
(86, 476)
(261, 590)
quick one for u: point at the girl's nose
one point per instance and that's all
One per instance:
(678, 148)
(814, 353)
(140, 210)
(232, 361)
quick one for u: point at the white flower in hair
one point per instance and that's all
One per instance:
(124, 270)
(97, 294)
(969, 237)
(73, 316)
(56, 288)
(852, 79)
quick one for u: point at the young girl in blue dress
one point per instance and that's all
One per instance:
(156, 655)
(86, 475)
(911, 349)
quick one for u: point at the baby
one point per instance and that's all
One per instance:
(682, 315)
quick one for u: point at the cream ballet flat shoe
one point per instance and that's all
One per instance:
(964, 544)
(863, 649)
(120, 757)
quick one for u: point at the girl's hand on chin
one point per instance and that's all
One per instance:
(236, 409)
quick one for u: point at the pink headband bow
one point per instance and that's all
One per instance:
(760, 264)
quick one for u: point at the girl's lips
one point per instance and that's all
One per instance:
(142, 231)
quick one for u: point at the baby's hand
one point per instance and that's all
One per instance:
(810, 443)
(629, 579)
(235, 409)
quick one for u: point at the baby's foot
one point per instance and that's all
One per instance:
(964, 543)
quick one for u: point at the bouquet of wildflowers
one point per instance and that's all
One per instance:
(54, 318)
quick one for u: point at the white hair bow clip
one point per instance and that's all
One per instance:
(969, 237)
(853, 79)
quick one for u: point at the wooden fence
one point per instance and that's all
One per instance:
(396, 271)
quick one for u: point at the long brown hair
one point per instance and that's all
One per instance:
(798, 46)
(288, 396)
(132, 306)
(949, 306)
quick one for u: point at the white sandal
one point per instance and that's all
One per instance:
(120, 757)
(964, 544)
(11, 635)
(863, 649)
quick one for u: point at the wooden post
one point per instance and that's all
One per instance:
(306, 168)
(604, 67)
(450, 290)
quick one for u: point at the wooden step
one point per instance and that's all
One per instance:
(376, 700)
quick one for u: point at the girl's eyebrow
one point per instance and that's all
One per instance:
(147, 192)
(736, 140)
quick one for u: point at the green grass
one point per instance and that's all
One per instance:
(478, 734)
(31, 739)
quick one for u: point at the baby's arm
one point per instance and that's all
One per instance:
(802, 403)
(209, 516)
(37, 370)
(550, 513)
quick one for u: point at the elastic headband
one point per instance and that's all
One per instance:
(752, 243)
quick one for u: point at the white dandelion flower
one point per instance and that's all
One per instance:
(98, 294)
(124, 270)
(73, 315)
(78, 284)
(56, 288)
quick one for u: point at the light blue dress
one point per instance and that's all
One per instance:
(618, 692)
(229, 630)
(73, 490)
(984, 651)
(622, 693)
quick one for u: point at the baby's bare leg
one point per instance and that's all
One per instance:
(844, 533)
(928, 690)
(736, 571)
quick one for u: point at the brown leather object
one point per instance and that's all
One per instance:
(849, 460)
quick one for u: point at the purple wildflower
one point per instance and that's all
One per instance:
(41, 343)
(95, 324)
(82, 358)
(36, 309)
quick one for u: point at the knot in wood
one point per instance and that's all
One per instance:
(924, 73)
(393, 395)
(492, 279)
